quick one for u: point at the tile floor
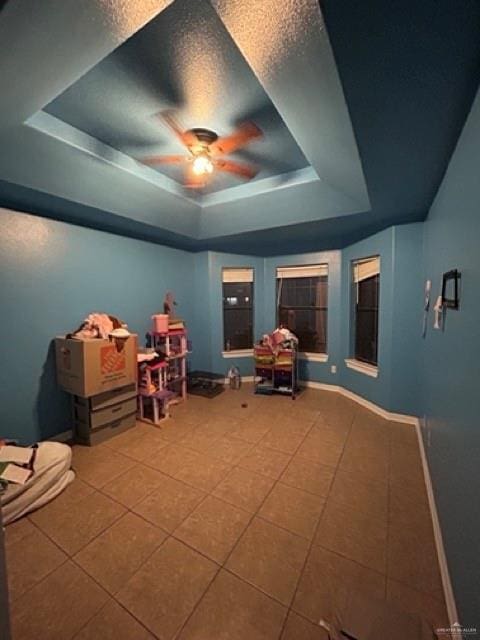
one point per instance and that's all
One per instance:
(229, 522)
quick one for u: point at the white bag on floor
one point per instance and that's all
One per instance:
(51, 475)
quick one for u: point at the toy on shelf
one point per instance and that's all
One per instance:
(276, 363)
(162, 378)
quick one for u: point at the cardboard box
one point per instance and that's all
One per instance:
(89, 367)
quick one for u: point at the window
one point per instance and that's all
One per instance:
(302, 303)
(366, 284)
(237, 309)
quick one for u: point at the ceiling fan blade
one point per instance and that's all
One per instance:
(187, 138)
(163, 160)
(243, 135)
(238, 169)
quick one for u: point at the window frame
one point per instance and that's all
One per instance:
(315, 356)
(357, 362)
(240, 351)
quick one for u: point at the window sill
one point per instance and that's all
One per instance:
(362, 367)
(313, 357)
(238, 353)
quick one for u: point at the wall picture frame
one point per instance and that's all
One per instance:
(450, 289)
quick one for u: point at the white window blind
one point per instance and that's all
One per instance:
(237, 275)
(363, 269)
(308, 271)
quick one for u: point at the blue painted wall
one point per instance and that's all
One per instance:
(309, 370)
(51, 276)
(408, 300)
(375, 389)
(207, 333)
(451, 369)
(400, 251)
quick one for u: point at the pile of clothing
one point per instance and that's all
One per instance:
(32, 476)
(281, 338)
(100, 325)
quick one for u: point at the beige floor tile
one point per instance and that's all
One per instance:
(412, 559)
(353, 490)
(293, 509)
(308, 476)
(356, 535)
(283, 439)
(229, 450)
(134, 485)
(358, 445)
(74, 528)
(265, 461)
(334, 433)
(194, 411)
(409, 507)
(297, 628)
(29, 560)
(244, 489)
(66, 501)
(406, 467)
(113, 623)
(302, 413)
(368, 419)
(141, 446)
(58, 607)
(370, 428)
(319, 450)
(18, 531)
(405, 434)
(119, 440)
(219, 424)
(169, 505)
(163, 593)
(252, 430)
(165, 473)
(113, 557)
(170, 459)
(412, 601)
(98, 465)
(200, 440)
(213, 528)
(328, 579)
(236, 409)
(269, 558)
(202, 472)
(176, 429)
(233, 610)
(372, 468)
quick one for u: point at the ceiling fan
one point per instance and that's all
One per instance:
(205, 149)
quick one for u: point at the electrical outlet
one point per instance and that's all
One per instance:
(333, 368)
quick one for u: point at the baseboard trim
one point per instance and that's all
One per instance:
(371, 406)
(244, 379)
(437, 533)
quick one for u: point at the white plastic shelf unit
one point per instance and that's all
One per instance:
(174, 345)
(165, 383)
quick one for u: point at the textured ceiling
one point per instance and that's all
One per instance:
(361, 111)
(185, 60)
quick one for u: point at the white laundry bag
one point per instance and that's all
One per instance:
(51, 474)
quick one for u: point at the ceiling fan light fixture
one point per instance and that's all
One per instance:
(201, 165)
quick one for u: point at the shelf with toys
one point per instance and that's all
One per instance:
(162, 367)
